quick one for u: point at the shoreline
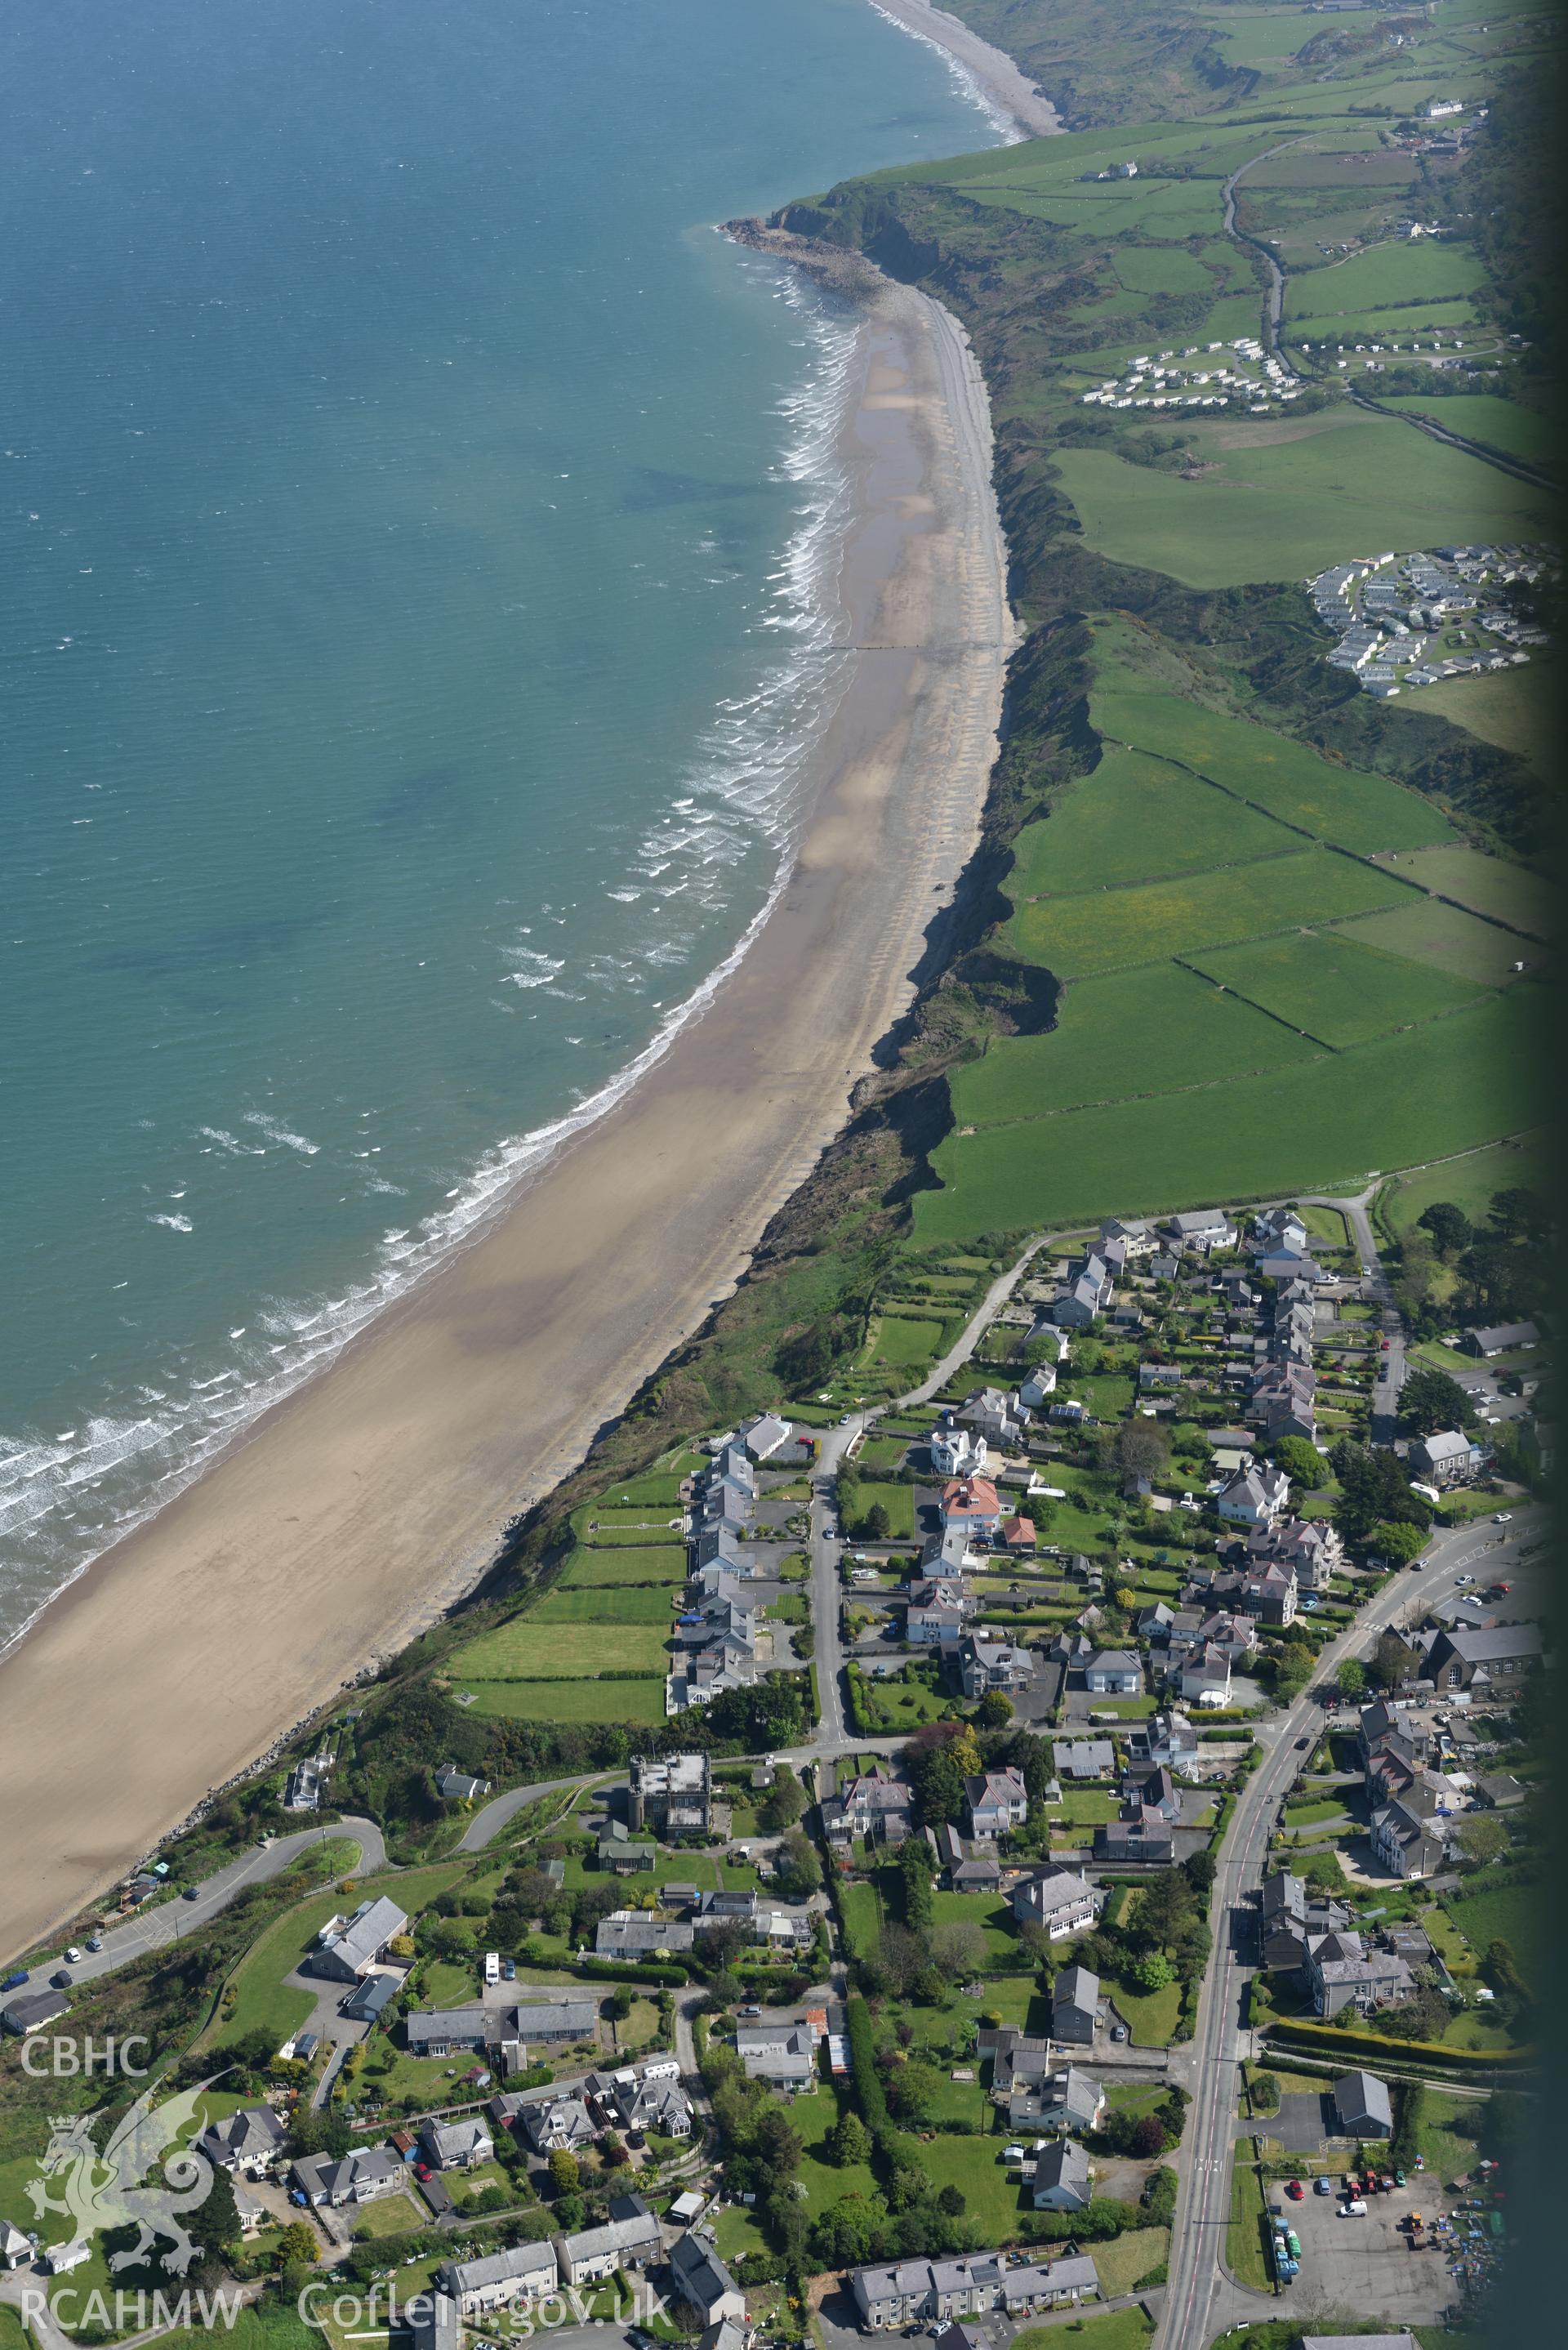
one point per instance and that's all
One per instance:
(999, 78)
(355, 1512)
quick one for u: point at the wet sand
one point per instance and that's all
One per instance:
(355, 1512)
(1004, 83)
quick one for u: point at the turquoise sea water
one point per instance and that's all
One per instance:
(416, 542)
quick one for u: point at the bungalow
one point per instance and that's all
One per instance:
(702, 2282)
(633, 1934)
(1083, 1759)
(1062, 2180)
(1503, 1339)
(1059, 1902)
(16, 2249)
(1254, 1496)
(1075, 2006)
(1290, 1265)
(328, 2181)
(1203, 1229)
(246, 2145)
(1114, 1672)
(765, 1436)
(455, 1786)
(550, 2022)
(979, 1874)
(30, 2011)
(456, 2145)
(525, 2272)
(986, 1664)
(995, 1801)
(347, 1947)
(1016, 1535)
(623, 1854)
(365, 2003)
(1362, 2106)
(449, 2031)
(630, 2239)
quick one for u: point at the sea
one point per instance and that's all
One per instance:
(418, 543)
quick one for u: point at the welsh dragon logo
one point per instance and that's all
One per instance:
(142, 2178)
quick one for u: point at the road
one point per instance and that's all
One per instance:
(1201, 2299)
(154, 1929)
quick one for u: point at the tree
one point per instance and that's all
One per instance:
(849, 2142)
(1141, 1448)
(1518, 1213)
(1450, 1226)
(953, 2202)
(778, 2142)
(957, 1948)
(1398, 1544)
(1266, 2093)
(1303, 1463)
(1351, 1678)
(797, 1867)
(620, 2004)
(1430, 1399)
(1148, 2136)
(1149, 1972)
(565, 2171)
(296, 2246)
(1374, 1490)
(784, 1802)
(876, 1525)
(994, 1710)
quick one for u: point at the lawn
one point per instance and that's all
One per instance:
(1114, 2329)
(1445, 937)
(641, 1702)
(1107, 930)
(1399, 1101)
(1134, 817)
(1492, 886)
(996, 2201)
(1288, 508)
(1136, 1032)
(898, 1500)
(633, 1602)
(1511, 1914)
(1334, 988)
(525, 1649)
(1513, 708)
(660, 1563)
(1359, 812)
(861, 1912)
(1121, 2263)
(1150, 2016)
(1244, 2254)
(992, 1916)
(901, 1342)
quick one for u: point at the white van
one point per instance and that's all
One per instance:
(492, 1968)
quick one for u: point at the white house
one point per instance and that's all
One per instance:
(1255, 1496)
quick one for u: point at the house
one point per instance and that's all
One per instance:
(1362, 2106)
(870, 1803)
(985, 1664)
(1140, 1839)
(1000, 1417)
(305, 1783)
(1255, 1496)
(1278, 1229)
(547, 2024)
(1206, 1676)
(786, 2058)
(633, 1934)
(455, 1786)
(1017, 1536)
(629, 2241)
(1075, 2006)
(1311, 1546)
(1043, 2285)
(1038, 1387)
(1058, 1902)
(995, 1801)
(1406, 1841)
(328, 2181)
(347, 1947)
(1070, 2101)
(1062, 2177)
(16, 2249)
(449, 2031)
(704, 2282)
(1340, 1972)
(1484, 1661)
(1168, 1738)
(1159, 1378)
(623, 1854)
(891, 2298)
(434, 2321)
(979, 1873)
(1447, 1458)
(1500, 1791)
(1083, 1759)
(1150, 1786)
(955, 1453)
(525, 2272)
(1113, 1673)
(1504, 1338)
(971, 1503)
(1289, 1916)
(456, 2145)
(1134, 1235)
(652, 2102)
(246, 2145)
(936, 1619)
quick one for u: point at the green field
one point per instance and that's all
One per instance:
(1469, 1182)
(1407, 330)
(1384, 277)
(1334, 988)
(1448, 1087)
(525, 1649)
(1282, 509)
(660, 1563)
(1134, 817)
(1250, 37)
(1512, 1914)
(1452, 941)
(1482, 416)
(1488, 884)
(900, 1341)
(1107, 930)
(1511, 708)
(621, 1603)
(1355, 811)
(1136, 1032)
(1161, 269)
(640, 1701)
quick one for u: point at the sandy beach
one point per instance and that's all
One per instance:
(1009, 89)
(356, 1511)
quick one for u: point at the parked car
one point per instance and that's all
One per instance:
(61, 1979)
(1294, 2189)
(192, 1893)
(1118, 2032)
(1322, 2186)
(15, 1979)
(1302, 1745)
(1354, 2210)
(95, 1941)
(1386, 1344)
(1502, 1517)
(73, 1955)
